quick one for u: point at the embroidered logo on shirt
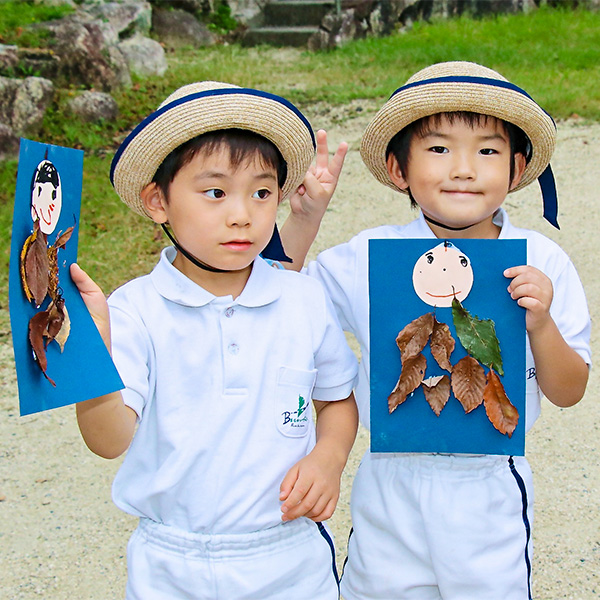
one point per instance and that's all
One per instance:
(296, 418)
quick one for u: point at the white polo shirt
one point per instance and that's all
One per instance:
(223, 390)
(344, 270)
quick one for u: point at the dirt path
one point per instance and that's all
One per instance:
(61, 537)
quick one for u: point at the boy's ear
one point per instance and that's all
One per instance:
(154, 202)
(395, 173)
(520, 165)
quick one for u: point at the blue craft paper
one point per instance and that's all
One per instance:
(413, 426)
(85, 369)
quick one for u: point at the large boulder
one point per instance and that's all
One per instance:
(144, 56)
(84, 56)
(93, 107)
(129, 18)
(9, 57)
(23, 103)
(176, 28)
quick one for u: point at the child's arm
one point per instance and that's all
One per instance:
(309, 203)
(561, 373)
(107, 425)
(311, 487)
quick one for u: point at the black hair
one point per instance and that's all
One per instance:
(399, 145)
(242, 145)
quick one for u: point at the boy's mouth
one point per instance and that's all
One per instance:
(238, 245)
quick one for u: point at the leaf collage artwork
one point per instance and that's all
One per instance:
(39, 265)
(467, 379)
(449, 381)
(60, 357)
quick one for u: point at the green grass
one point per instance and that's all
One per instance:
(553, 54)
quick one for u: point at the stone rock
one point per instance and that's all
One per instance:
(8, 57)
(144, 56)
(33, 96)
(39, 62)
(125, 18)
(334, 31)
(84, 56)
(92, 107)
(23, 103)
(192, 6)
(176, 28)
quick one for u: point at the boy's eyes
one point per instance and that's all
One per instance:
(262, 194)
(488, 151)
(438, 149)
(215, 193)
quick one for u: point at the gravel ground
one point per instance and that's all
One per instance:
(61, 536)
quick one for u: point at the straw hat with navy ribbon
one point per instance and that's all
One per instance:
(465, 86)
(206, 106)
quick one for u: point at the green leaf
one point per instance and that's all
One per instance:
(477, 336)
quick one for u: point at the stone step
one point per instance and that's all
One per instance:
(296, 13)
(279, 36)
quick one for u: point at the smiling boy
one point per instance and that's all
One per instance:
(457, 138)
(221, 355)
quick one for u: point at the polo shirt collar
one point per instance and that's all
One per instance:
(263, 286)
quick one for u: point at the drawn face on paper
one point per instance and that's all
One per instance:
(442, 274)
(46, 196)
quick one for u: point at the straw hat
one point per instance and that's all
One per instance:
(209, 106)
(459, 86)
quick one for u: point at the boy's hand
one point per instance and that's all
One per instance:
(94, 299)
(532, 290)
(313, 196)
(311, 488)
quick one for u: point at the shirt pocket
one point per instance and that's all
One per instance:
(293, 401)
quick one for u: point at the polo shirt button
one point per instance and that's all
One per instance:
(229, 312)
(233, 348)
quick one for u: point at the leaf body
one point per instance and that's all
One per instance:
(437, 395)
(442, 345)
(410, 379)
(468, 383)
(477, 336)
(503, 415)
(413, 338)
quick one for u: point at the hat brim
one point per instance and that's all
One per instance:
(491, 97)
(176, 122)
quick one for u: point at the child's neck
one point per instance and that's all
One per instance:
(485, 229)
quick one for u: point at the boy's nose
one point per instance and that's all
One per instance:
(239, 215)
(463, 167)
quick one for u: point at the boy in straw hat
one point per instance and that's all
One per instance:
(457, 137)
(221, 356)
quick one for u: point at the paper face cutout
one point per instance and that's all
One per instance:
(442, 274)
(46, 196)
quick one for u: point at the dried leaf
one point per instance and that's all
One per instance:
(442, 344)
(56, 317)
(34, 267)
(477, 336)
(65, 330)
(468, 383)
(410, 379)
(412, 339)
(437, 392)
(500, 411)
(63, 238)
(38, 325)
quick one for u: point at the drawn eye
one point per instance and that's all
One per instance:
(429, 259)
(464, 262)
(53, 194)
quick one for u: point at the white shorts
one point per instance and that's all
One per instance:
(440, 527)
(291, 561)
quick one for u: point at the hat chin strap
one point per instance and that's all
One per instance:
(273, 251)
(448, 226)
(189, 256)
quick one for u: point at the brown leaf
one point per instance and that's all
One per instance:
(412, 339)
(38, 325)
(410, 379)
(34, 266)
(65, 330)
(500, 411)
(468, 383)
(438, 393)
(442, 344)
(63, 238)
(56, 317)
